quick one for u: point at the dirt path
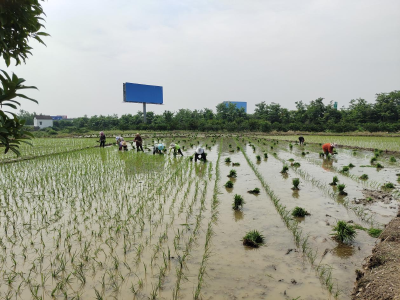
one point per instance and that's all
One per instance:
(380, 277)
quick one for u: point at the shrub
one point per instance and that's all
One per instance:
(335, 180)
(232, 173)
(296, 182)
(237, 202)
(364, 177)
(254, 191)
(379, 166)
(299, 212)
(344, 232)
(228, 160)
(265, 155)
(285, 168)
(392, 159)
(253, 239)
(258, 158)
(341, 188)
(229, 184)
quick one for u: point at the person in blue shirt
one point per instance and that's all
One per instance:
(158, 148)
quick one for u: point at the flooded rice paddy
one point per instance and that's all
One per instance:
(103, 224)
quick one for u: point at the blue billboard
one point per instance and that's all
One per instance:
(142, 93)
(239, 105)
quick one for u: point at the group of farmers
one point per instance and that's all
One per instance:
(199, 154)
(158, 148)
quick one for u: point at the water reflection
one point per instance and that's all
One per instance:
(343, 251)
(295, 194)
(327, 164)
(238, 214)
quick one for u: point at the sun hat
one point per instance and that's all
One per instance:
(172, 145)
(334, 145)
(199, 150)
(160, 146)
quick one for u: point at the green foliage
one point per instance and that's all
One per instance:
(351, 165)
(19, 21)
(335, 180)
(364, 177)
(374, 232)
(237, 202)
(392, 159)
(345, 169)
(379, 166)
(228, 160)
(296, 182)
(296, 164)
(299, 212)
(303, 153)
(265, 155)
(321, 154)
(285, 168)
(388, 185)
(373, 159)
(258, 158)
(344, 232)
(253, 239)
(229, 184)
(341, 188)
(236, 164)
(232, 173)
(254, 191)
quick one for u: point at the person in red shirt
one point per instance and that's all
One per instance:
(328, 148)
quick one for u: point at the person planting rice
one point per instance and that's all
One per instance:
(138, 140)
(328, 148)
(301, 140)
(158, 148)
(176, 148)
(123, 146)
(102, 139)
(199, 154)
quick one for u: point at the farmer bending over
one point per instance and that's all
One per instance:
(199, 154)
(139, 141)
(158, 148)
(301, 140)
(328, 148)
(176, 148)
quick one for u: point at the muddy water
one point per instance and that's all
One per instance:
(238, 272)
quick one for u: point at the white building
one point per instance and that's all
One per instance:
(42, 121)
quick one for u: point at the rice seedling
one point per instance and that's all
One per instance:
(228, 160)
(285, 168)
(388, 185)
(321, 154)
(296, 182)
(254, 191)
(344, 232)
(236, 164)
(392, 159)
(265, 155)
(237, 202)
(299, 212)
(379, 166)
(374, 232)
(290, 146)
(335, 180)
(229, 184)
(351, 165)
(303, 153)
(373, 159)
(345, 169)
(341, 188)
(291, 159)
(232, 173)
(296, 164)
(364, 177)
(253, 239)
(258, 158)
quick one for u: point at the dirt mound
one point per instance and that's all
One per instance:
(380, 277)
(372, 196)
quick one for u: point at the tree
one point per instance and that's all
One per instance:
(20, 20)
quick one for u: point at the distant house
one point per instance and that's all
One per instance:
(42, 121)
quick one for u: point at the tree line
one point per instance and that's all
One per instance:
(316, 116)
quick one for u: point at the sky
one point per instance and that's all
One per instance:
(204, 52)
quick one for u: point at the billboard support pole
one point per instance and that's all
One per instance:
(144, 112)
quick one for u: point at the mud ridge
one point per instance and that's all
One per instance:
(380, 276)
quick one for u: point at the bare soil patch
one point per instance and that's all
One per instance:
(372, 196)
(380, 276)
